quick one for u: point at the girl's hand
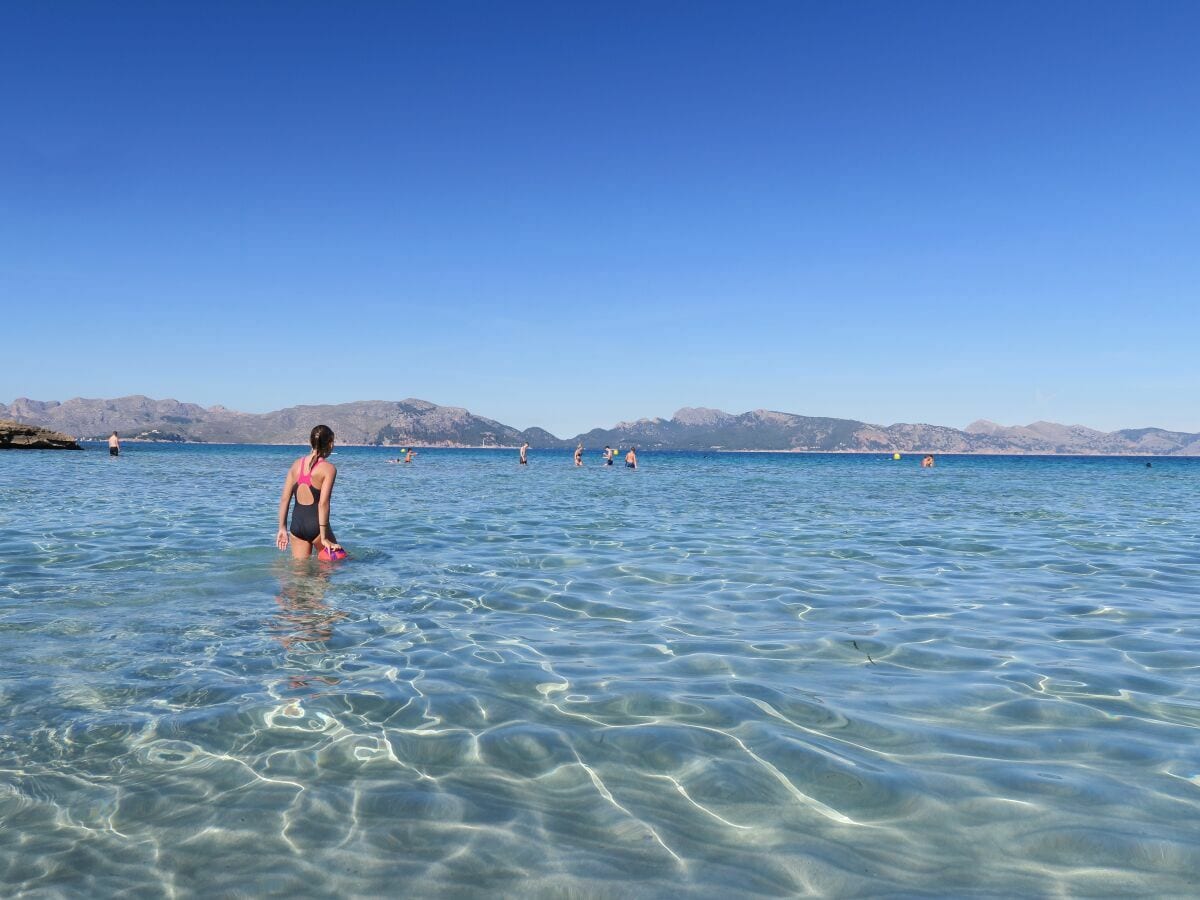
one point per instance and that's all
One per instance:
(332, 546)
(281, 539)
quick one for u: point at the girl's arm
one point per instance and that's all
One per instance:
(323, 510)
(289, 484)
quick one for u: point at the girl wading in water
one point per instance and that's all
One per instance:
(310, 481)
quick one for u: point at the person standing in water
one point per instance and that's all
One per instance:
(608, 455)
(310, 481)
(927, 462)
(579, 455)
(631, 458)
(524, 452)
(114, 445)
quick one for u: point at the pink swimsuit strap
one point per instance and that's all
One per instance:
(306, 477)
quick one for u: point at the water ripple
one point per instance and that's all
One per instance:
(762, 675)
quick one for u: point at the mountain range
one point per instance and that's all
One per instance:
(421, 423)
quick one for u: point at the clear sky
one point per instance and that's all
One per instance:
(567, 214)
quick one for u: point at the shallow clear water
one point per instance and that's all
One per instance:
(718, 675)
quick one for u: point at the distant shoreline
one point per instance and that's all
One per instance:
(650, 450)
(399, 423)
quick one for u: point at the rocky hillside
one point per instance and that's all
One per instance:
(380, 422)
(712, 429)
(1049, 437)
(420, 423)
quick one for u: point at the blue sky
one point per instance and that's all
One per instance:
(568, 214)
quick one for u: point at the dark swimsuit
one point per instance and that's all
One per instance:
(305, 523)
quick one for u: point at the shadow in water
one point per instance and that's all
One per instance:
(305, 624)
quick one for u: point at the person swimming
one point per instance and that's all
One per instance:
(927, 462)
(310, 481)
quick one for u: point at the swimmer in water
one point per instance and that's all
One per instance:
(310, 481)
(579, 455)
(114, 445)
(408, 457)
(631, 458)
(524, 452)
(608, 455)
(927, 462)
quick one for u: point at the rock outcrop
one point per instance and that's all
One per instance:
(17, 436)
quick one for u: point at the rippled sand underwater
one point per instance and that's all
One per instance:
(722, 675)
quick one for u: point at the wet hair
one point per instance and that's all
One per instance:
(322, 440)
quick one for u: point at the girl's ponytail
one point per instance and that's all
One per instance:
(322, 440)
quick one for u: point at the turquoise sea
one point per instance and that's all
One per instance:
(720, 675)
